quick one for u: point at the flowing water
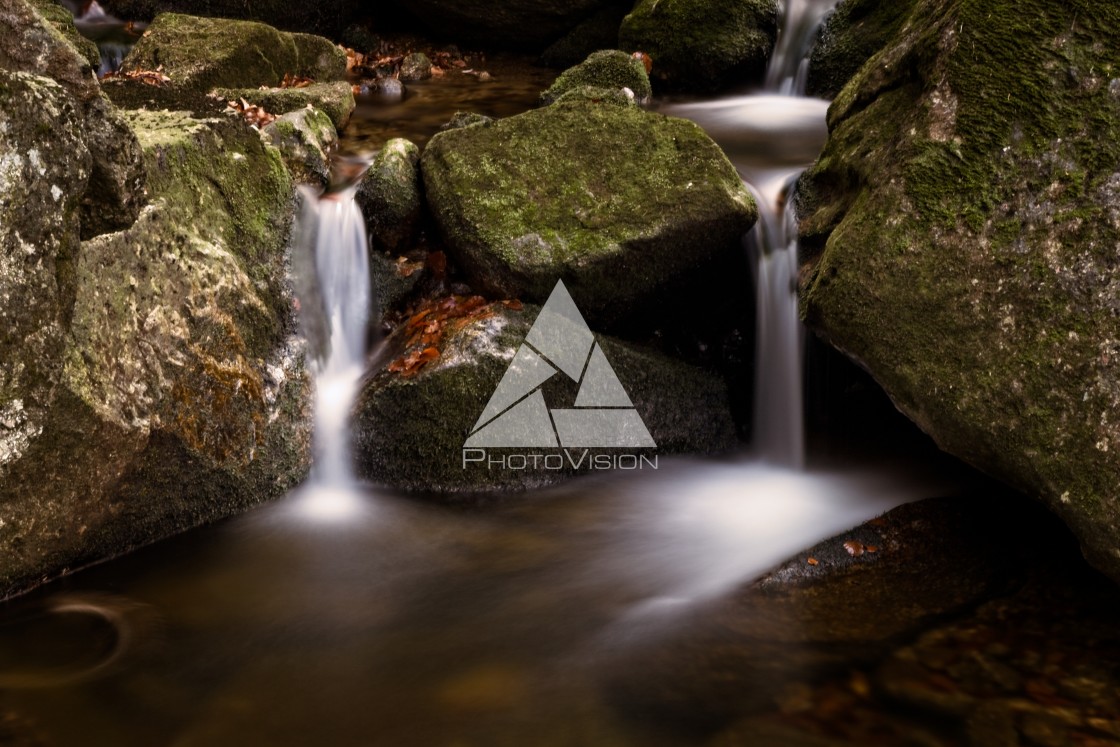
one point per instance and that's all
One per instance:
(343, 615)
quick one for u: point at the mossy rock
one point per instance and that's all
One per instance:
(200, 54)
(336, 99)
(702, 45)
(961, 231)
(305, 138)
(62, 20)
(617, 201)
(600, 31)
(855, 31)
(605, 69)
(433, 407)
(391, 196)
(518, 24)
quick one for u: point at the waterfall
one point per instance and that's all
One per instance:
(771, 137)
(332, 269)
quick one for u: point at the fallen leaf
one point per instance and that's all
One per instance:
(813, 561)
(855, 548)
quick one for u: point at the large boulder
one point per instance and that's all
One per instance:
(437, 373)
(961, 229)
(619, 202)
(166, 388)
(848, 38)
(701, 45)
(115, 190)
(520, 24)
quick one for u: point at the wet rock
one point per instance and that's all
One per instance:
(115, 191)
(415, 66)
(606, 69)
(961, 228)
(437, 372)
(589, 192)
(390, 196)
(200, 54)
(702, 44)
(336, 100)
(600, 31)
(304, 138)
(386, 89)
(178, 392)
(519, 24)
(848, 38)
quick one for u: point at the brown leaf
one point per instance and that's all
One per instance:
(855, 548)
(813, 561)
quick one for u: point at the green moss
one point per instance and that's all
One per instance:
(609, 69)
(702, 44)
(62, 20)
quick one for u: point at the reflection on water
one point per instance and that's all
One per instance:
(398, 623)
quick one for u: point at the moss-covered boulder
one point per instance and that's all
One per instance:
(607, 69)
(60, 17)
(848, 38)
(115, 191)
(617, 201)
(201, 54)
(169, 390)
(391, 197)
(421, 399)
(304, 138)
(700, 45)
(518, 24)
(962, 231)
(336, 99)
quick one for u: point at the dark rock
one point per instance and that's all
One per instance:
(606, 69)
(849, 37)
(115, 191)
(600, 31)
(702, 45)
(327, 18)
(412, 417)
(201, 54)
(589, 192)
(390, 196)
(386, 89)
(62, 20)
(415, 66)
(961, 228)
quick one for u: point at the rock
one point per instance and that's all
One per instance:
(466, 119)
(393, 280)
(592, 193)
(390, 196)
(115, 191)
(412, 417)
(517, 24)
(328, 18)
(386, 89)
(702, 45)
(304, 138)
(848, 38)
(600, 31)
(415, 66)
(169, 389)
(596, 95)
(606, 69)
(62, 20)
(961, 231)
(336, 100)
(201, 54)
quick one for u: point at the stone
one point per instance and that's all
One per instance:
(702, 45)
(848, 38)
(600, 31)
(336, 99)
(391, 197)
(591, 192)
(606, 69)
(415, 66)
(304, 138)
(434, 404)
(960, 233)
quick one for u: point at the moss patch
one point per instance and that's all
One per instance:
(606, 69)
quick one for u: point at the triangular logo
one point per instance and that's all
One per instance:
(560, 342)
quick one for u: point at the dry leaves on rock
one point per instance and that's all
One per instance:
(296, 81)
(429, 327)
(151, 77)
(255, 115)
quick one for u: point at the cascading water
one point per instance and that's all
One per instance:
(771, 138)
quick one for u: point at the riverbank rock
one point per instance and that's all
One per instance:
(115, 192)
(702, 45)
(619, 202)
(167, 388)
(436, 374)
(608, 69)
(391, 196)
(961, 230)
(200, 54)
(516, 24)
(848, 38)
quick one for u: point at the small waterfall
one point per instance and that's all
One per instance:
(333, 282)
(789, 64)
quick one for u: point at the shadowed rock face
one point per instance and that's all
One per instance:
(517, 24)
(961, 229)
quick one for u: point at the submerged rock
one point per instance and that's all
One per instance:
(848, 38)
(961, 229)
(607, 69)
(435, 377)
(618, 202)
(390, 196)
(702, 44)
(200, 54)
